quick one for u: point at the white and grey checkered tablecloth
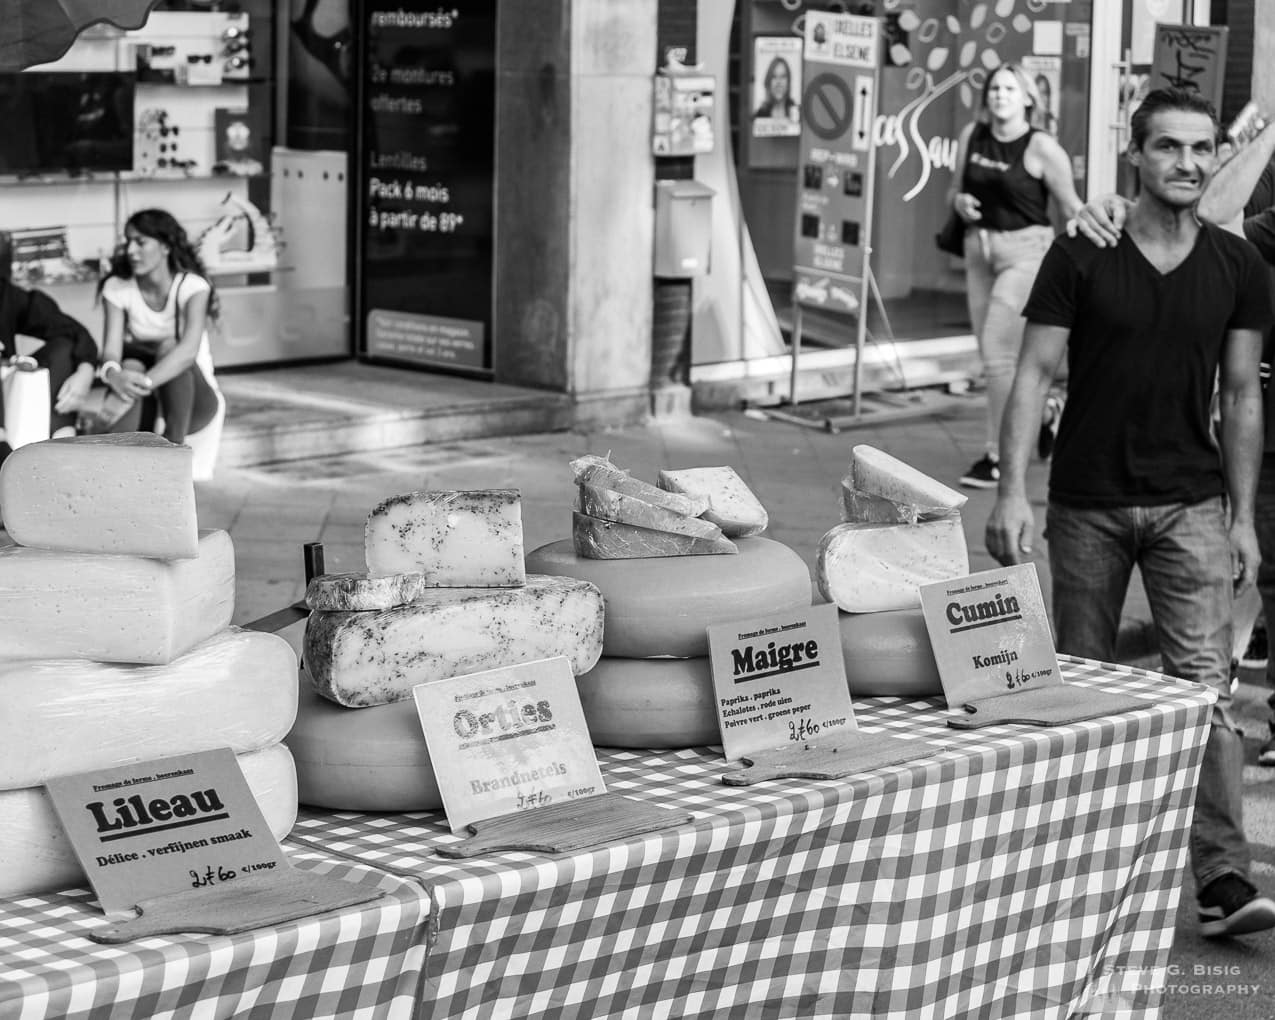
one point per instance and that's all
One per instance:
(1020, 872)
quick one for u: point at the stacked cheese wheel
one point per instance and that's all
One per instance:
(115, 645)
(900, 529)
(445, 594)
(669, 560)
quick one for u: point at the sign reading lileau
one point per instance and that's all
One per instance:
(424, 182)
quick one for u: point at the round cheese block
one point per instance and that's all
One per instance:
(889, 654)
(660, 606)
(361, 759)
(650, 703)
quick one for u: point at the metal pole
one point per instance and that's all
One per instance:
(796, 350)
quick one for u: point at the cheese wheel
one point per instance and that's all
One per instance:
(661, 606)
(654, 703)
(69, 605)
(36, 856)
(361, 759)
(64, 716)
(127, 494)
(889, 655)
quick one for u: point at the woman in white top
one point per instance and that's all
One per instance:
(158, 302)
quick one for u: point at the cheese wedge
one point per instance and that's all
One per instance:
(361, 659)
(877, 472)
(129, 494)
(596, 539)
(610, 505)
(63, 716)
(862, 507)
(731, 504)
(36, 856)
(457, 539)
(869, 568)
(74, 605)
(600, 471)
(360, 592)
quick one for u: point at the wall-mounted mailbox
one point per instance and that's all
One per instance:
(683, 228)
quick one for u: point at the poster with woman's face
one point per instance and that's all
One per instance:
(1046, 75)
(776, 86)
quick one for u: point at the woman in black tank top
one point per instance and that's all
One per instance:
(1009, 170)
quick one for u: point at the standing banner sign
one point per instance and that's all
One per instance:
(831, 271)
(424, 180)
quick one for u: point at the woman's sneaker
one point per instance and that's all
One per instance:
(985, 474)
(1230, 905)
(1266, 756)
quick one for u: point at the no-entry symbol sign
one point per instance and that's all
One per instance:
(828, 106)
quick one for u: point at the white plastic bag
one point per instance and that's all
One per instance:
(26, 401)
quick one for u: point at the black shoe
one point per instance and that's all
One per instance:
(985, 474)
(1254, 656)
(1230, 905)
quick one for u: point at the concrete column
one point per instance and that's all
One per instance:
(1263, 51)
(574, 200)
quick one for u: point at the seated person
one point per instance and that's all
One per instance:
(158, 301)
(68, 351)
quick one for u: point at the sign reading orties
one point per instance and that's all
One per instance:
(507, 740)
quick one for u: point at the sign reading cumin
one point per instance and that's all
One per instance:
(990, 633)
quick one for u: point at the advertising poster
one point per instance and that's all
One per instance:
(424, 183)
(1046, 75)
(776, 92)
(834, 198)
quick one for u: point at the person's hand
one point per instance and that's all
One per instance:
(74, 390)
(968, 208)
(1009, 531)
(1101, 220)
(130, 383)
(1245, 556)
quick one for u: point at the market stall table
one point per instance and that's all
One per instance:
(1018, 872)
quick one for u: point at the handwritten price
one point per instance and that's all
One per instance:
(801, 729)
(211, 878)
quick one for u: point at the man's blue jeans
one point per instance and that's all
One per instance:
(1184, 555)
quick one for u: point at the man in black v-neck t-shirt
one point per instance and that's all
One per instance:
(1136, 479)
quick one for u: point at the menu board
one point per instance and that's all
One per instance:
(424, 182)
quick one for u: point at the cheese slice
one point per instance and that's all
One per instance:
(361, 659)
(74, 605)
(877, 472)
(128, 494)
(731, 504)
(358, 591)
(862, 507)
(63, 716)
(596, 539)
(869, 568)
(610, 505)
(457, 539)
(600, 471)
(36, 856)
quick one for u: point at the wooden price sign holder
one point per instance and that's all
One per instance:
(516, 768)
(995, 653)
(179, 844)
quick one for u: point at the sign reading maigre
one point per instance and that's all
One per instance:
(990, 633)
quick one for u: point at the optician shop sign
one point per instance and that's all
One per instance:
(424, 182)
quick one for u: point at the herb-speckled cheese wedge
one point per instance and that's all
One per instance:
(877, 472)
(732, 505)
(859, 507)
(362, 659)
(600, 471)
(236, 690)
(75, 605)
(357, 591)
(129, 494)
(610, 505)
(869, 568)
(457, 539)
(36, 856)
(596, 539)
